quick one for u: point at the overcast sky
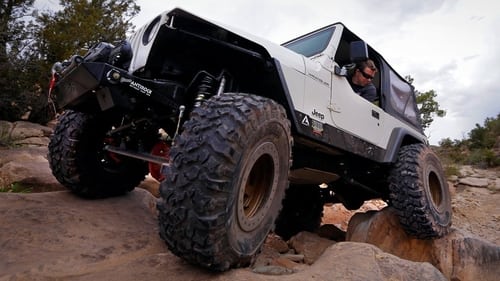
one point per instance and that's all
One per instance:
(452, 46)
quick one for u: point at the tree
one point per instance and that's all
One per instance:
(12, 25)
(79, 25)
(427, 105)
(82, 23)
(30, 45)
(481, 148)
(484, 142)
(485, 137)
(15, 36)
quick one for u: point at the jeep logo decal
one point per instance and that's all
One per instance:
(318, 114)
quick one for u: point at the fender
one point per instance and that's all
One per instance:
(399, 137)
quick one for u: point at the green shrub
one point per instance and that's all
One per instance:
(483, 158)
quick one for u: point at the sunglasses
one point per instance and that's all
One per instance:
(366, 75)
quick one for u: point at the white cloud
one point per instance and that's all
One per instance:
(449, 46)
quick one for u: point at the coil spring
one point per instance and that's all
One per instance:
(205, 89)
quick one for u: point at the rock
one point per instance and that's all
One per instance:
(337, 215)
(310, 245)
(287, 262)
(466, 171)
(33, 141)
(74, 236)
(58, 236)
(23, 129)
(361, 261)
(495, 185)
(469, 171)
(52, 123)
(272, 270)
(5, 129)
(24, 133)
(475, 259)
(29, 166)
(271, 253)
(452, 188)
(151, 185)
(476, 211)
(453, 178)
(373, 205)
(477, 182)
(293, 257)
(116, 238)
(459, 256)
(330, 231)
(266, 257)
(276, 243)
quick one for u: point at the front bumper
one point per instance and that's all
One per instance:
(106, 83)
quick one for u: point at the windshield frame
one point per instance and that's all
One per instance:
(313, 43)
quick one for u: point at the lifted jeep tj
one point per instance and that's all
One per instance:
(216, 115)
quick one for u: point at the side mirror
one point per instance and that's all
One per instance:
(359, 51)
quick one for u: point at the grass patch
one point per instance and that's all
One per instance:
(15, 188)
(451, 170)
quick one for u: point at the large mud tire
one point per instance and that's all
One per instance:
(419, 192)
(78, 161)
(302, 211)
(226, 182)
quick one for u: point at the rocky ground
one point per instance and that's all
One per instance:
(476, 208)
(58, 236)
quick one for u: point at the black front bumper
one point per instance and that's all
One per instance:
(107, 84)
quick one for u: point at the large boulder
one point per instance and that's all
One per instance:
(459, 255)
(24, 133)
(23, 156)
(28, 167)
(360, 261)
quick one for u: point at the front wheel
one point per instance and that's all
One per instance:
(227, 178)
(419, 192)
(79, 162)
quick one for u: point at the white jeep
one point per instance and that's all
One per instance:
(217, 116)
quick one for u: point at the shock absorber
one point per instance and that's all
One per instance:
(205, 88)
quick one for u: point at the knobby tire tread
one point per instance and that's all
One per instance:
(408, 194)
(196, 197)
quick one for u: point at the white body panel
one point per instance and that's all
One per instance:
(313, 86)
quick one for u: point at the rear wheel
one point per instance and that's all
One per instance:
(419, 192)
(227, 178)
(79, 162)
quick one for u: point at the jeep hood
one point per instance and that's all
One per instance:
(144, 38)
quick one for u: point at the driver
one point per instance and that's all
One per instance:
(361, 80)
